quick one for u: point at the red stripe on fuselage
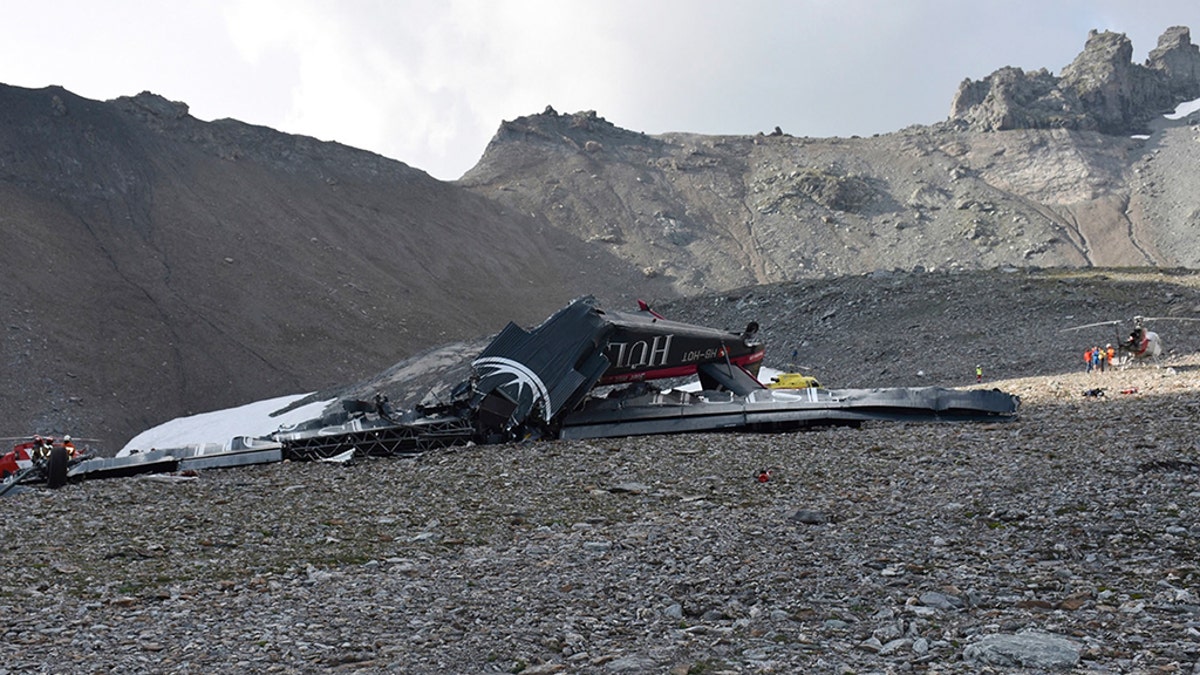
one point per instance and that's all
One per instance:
(675, 371)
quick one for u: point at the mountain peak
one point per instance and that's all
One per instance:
(1101, 90)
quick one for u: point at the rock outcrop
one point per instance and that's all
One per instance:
(1101, 90)
(1179, 62)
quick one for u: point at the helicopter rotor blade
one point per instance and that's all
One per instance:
(29, 437)
(1092, 325)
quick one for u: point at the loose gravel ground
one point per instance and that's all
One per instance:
(1065, 541)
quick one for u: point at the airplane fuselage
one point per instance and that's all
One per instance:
(643, 347)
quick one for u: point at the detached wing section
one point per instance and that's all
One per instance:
(783, 410)
(531, 376)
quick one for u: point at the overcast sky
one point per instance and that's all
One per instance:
(428, 82)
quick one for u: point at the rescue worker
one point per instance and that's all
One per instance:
(69, 446)
(1110, 353)
(979, 373)
(1087, 359)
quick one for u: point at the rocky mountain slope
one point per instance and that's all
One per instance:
(157, 265)
(710, 213)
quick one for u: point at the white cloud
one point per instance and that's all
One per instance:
(428, 83)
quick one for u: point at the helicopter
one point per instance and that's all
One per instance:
(38, 459)
(1141, 343)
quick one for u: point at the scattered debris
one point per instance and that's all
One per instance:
(548, 383)
(340, 458)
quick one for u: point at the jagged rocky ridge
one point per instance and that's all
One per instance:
(1101, 90)
(714, 212)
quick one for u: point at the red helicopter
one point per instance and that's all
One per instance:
(1142, 343)
(38, 459)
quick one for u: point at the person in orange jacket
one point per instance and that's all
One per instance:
(1087, 359)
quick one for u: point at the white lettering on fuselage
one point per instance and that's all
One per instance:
(703, 355)
(641, 354)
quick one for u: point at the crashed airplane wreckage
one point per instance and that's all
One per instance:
(550, 383)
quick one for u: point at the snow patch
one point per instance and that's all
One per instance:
(1184, 109)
